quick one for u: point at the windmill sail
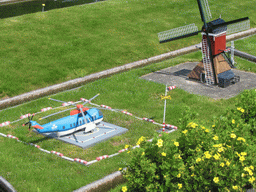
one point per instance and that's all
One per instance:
(237, 27)
(206, 10)
(178, 33)
(209, 76)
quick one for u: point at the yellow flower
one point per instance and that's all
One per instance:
(238, 108)
(207, 130)
(193, 175)
(198, 160)
(163, 154)
(233, 121)
(241, 158)
(126, 146)
(179, 175)
(250, 172)
(234, 187)
(140, 140)
(251, 179)
(176, 144)
(213, 126)
(242, 110)
(251, 167)
(159, 143)
(216, 157)
(222, 164)
(215, 138)
(247, 169)
(232, 135)
(120, 169)
(179, 185)
(220, 149)
(216, 179)
(243, 175)
(240, 139)
(143, 153)
(185, 131)
(124, 189)
(243, 153)
(227, 163)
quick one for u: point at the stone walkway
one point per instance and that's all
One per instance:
(177, 76)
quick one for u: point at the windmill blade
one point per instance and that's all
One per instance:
(204, 10)
(209, 75)
(237, 27)
(178, 33)
(229, 22)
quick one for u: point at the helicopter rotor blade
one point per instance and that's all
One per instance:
(91, 99)
(56, 113)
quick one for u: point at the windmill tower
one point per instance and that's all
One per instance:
(215, 65)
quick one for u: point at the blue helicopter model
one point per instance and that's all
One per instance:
(81, 118)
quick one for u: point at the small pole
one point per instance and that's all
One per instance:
(43, 5)
(232, 52)
(164, 107)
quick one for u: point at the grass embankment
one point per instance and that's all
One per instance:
(41, 49)
(29, 169)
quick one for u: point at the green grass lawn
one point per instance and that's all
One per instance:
(41, 49)
(29, 169)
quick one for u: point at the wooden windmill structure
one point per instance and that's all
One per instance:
(215, 66)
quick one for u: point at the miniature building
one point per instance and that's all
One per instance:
(218, 46)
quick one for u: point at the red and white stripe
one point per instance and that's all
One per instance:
(127, 113)
(80, 161)
(83, 99)
(105, 106)
(25, 116)
(11, 136)
(170, 126)
(46, 109)
(57, 153)
(122, 150)
(37, 146)
(163, 127)
(171, 88)
(67, 103)
(102, 157)
(5, 123)
(149, 120)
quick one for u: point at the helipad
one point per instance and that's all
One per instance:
(102, 132)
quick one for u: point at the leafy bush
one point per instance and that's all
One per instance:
(216, 158)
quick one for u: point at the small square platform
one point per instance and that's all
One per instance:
(102, 132)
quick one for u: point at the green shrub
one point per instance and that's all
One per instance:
(216, 158)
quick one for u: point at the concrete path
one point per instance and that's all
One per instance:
(177, 76)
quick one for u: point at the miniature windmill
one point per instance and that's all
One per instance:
(214, 34)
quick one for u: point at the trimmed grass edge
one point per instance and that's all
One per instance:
(80, 81)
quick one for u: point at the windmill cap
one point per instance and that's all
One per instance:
(215, 22)
(79, 106)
